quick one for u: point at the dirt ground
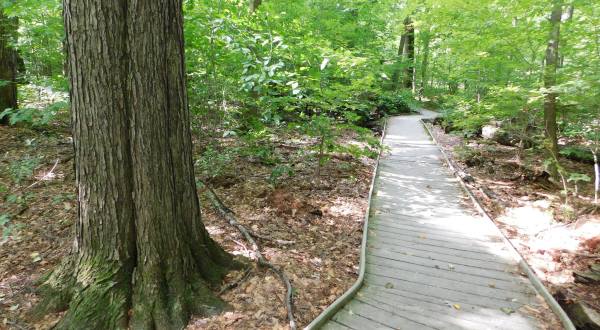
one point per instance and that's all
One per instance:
(554, 239)
(309, 227)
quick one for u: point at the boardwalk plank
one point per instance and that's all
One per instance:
(437, 236)
(442, 293)
(332, 325)
(490, 248)
(422, 250)
(396, 320)
(352, 320)
(432, 262)
(482, 288)
(503, 284)
(476, 317)
(399, 258)
(395, 224)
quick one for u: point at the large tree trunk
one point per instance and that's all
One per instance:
(8, 65)
(142, 257)
(551, 63)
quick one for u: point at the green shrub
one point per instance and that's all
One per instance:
(396, 103)
(32, 116)
(23, 168)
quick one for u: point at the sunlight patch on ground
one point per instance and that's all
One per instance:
(547, 240)
(343, 207)
(215, 230)
(527, 219)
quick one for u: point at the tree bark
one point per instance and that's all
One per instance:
(550, 100)
(409, 53)
(396, 75)
(425, 61)
(142, 257)
(254, 4)
(8, 65)
(596, 175)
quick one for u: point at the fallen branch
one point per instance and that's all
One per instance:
(47, 175)
(229, 216)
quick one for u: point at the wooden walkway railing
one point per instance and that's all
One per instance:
(430, 260)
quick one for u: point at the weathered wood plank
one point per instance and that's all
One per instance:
(448, 294)
(446, 243)
(352, 320)
(332, 325)
(479, 233)
(437, 235)
(508, 283)
(398, 258)
(476, 317)
(418, 312)
(452, 282)
(484, 264)
(423, 250)
(396, 320)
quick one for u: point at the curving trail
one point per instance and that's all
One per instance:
(432, 262)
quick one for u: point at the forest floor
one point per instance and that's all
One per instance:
(554, 240)
(309, 227)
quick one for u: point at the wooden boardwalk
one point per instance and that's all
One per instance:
(431, 261)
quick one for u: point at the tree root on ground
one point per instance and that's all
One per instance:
(237, 282)
(229, 216)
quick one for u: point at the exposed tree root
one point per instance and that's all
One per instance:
(104, 294)
(97, 296)
(229, 216)
(235, 284)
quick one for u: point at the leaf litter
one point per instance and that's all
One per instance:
(310, 228)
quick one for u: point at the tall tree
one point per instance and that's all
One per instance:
(408, 54)
(550, 100)
(403, 75)
(142, 257)
(426, 39)
(8, 64)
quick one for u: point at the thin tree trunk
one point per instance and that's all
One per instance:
(254, 4)
(8, 65)
(396, 75)
(596, 176)
(550, 99)
(409, 53)
(425, 62)
(142, 257)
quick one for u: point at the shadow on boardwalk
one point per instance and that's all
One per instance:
(431, 261)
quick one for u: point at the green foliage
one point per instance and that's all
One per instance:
(578, 177)
(321, 127)
(60, 198)
(6, 226)
(288, 62)
(278, 173)
(577, 153)
(397, 103)
(469, 156)
(40, 40)
(23, 168)
(214, 162)
(32, 116)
